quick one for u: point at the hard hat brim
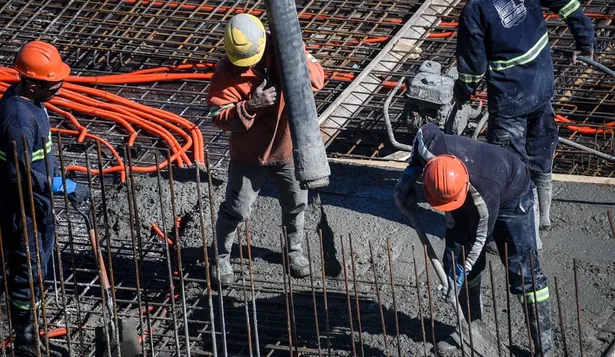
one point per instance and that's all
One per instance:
(449, 206)
(60, 76)
(246, 62)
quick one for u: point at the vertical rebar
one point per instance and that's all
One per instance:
(506, 263)
(253, 294)
(136, 252)
(6, 293)
(56, 248)
(377, 286)
(420, 304)
(215, 243)
(309, 251)
(24, 224)
(465, 284)
(206, 260)
(178, 252)
(429, 295)
(324, 291)
(576, 293)
(356, 294)
(70, 244)
(350, 323)
(531, 256)
(167, 253)
(98, 261)
(561, 318)
(245, 294)
(458, 308)
(293, 318)
(495, 310)
(393, 296)
(525, 309)
(284, 271)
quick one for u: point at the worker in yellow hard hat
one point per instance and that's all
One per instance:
(24, 122)
(245, 91)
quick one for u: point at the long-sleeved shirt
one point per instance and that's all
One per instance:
(496, 177)
(263, 137)
(507, 41)
(21, 118)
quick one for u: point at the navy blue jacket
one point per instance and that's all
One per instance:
(497, 176)
(22, 117)
(507, 41)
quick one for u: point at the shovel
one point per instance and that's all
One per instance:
(128, 344)
(483, 341)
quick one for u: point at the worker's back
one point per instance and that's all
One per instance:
(507, 41)
(20, 116)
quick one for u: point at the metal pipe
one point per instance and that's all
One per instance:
(585, 148)
(310, 158)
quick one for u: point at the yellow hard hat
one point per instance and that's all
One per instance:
(244, 40)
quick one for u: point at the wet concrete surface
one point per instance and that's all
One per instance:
(359, 203)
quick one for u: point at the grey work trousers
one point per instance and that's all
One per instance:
(243, 186)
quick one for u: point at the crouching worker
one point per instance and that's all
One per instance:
(246, 90)
(24, 121)
(485, 190)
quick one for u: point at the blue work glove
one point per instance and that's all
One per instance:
(76, 193)
(404, 191)
(460, 278)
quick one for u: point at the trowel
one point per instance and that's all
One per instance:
(128, 344)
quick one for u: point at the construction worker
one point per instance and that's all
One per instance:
(24, 120)
(245, 89)
(507, 41)
(485, 191)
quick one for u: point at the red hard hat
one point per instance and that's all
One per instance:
(41, 61)
(446, 181)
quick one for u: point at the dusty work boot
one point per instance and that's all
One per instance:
(299, 265)
(537, 220)
(24, 344)
(226, 275)
(544, 186)
(448, 346)
(544, 342)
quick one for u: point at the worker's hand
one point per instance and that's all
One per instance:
(76, 193)
(262, 97)
(404, 192)
(589, 54)
(454, 280)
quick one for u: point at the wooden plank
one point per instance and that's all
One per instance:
(405, 43)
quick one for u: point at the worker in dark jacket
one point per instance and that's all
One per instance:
(24, 121)
(246, 90)
(485, 191)
(507, 41)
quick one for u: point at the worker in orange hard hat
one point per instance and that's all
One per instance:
(486, 193)
(25, 129)
(245, 92)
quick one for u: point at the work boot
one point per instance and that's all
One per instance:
(544, 318)
(24, 344)
(226, 277)
(544, 186)
(537, 220)
(299, 265)
(448, 346)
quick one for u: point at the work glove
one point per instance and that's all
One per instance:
(454, 280)
(587, 53)
(76, 193)
(404, 191)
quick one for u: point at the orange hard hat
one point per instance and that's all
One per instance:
(41, 61)
(446, 181)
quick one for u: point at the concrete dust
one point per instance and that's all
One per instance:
(358, 204)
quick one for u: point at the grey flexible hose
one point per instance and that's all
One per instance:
(387, 119)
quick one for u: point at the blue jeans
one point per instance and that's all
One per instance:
(15, 251)
(514, 226)
(533, 137)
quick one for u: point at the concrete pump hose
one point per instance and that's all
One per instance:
(387, 119)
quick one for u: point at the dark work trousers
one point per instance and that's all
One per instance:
(15, 251)
(514, 228)
(533, 136)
